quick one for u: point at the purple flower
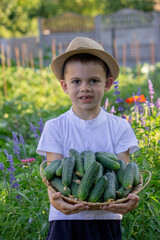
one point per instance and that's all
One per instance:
(15, 139)
(41, 125)
(119, 100)
(1, 166)
(116, 93)
(106, 104)
(112, 110)
(34, 130)
(16, 149)
(5, 152)
(149, 104)
(11, 168)
(120, 109)
(21, 139)
(158, 104)
(116, 82)
(130, 119)
(140, 109)
(10, 158)
(15, 185)
(12, 178)
(115, 86)
(45, 158)
(18, 197)
(139, 91)
(30, 220)
(143, 123)
(151, 91)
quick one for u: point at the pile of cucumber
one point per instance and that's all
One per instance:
(92, 177)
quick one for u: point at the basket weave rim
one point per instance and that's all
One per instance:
(137, 189)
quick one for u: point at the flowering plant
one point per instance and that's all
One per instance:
(136, 98)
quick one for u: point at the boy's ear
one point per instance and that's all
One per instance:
(109, 82)
(64, 85)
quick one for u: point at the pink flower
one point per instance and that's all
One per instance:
(28, 160)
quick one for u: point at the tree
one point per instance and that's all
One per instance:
(16, 15)
(50, 8)
(143, 5)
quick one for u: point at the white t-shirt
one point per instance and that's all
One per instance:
(106, 132)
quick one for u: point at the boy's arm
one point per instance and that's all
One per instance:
(124, 156)
(55, 198)
(132, 203)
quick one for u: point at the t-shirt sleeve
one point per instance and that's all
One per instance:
(50, 140)
(125, 138)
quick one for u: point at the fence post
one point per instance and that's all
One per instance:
(157, 35)
(40, 34)
(98, 27)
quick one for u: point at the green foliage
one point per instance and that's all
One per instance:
(24, 212)
(50, 8)
(144, 222)
(16, 15)
(37, 94)
(145, 5)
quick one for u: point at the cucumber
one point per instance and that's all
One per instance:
(74, 185)
(88, 181)
(129, 173)
(88, 158)
(100, 200)
(109, 155)
(68, 167)
(120, 171)
(98, 189)
(122, 192)
(78, 162)
(116, 180)
(60, 168)
(100, 173)
(136, 175)
(110, 191)
(50, 171)
(107, 170)
(57, 183)
(107, 162)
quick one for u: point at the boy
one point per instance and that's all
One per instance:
(85, 72)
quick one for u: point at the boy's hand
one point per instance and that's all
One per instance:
(66, 208)
(123, 208)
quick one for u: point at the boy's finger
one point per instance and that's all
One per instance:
(56, 195)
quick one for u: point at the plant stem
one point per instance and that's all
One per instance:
(5, 182)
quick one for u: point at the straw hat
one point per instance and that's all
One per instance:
(84, 45)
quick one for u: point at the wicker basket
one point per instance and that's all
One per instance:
(96, 206)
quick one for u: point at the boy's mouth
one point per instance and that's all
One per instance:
(86, 98)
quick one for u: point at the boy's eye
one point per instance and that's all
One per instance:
(76, 81)
(94, 81)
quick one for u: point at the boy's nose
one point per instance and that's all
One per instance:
(85, 87)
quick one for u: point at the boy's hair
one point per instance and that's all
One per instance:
(85, 58)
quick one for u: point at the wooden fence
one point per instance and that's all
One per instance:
(68, 22)
(125, 54)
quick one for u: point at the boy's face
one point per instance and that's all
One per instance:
(86, 83)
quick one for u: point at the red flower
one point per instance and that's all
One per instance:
(132, 99)
(28, 160)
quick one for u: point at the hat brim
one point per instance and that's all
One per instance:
(57, 63)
